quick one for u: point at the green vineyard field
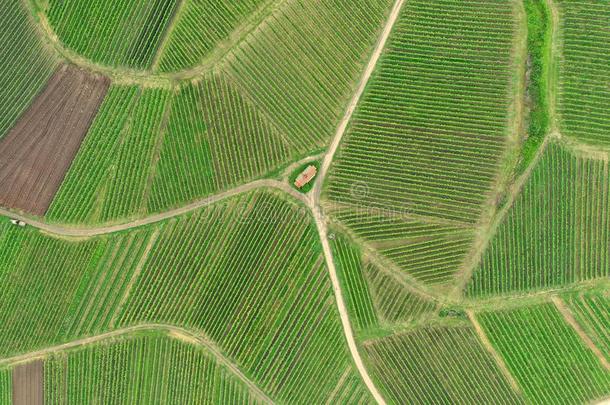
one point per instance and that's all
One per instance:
(201, 26)
(118, 33)
(556, 231)
(427, 137)
(25, 65)
(349, 264)
(583, 70)
(548, 359)
(452, 246)
(592, 311)
(444, 365)
(160, 370)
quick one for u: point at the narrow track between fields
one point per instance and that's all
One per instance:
(77, 231)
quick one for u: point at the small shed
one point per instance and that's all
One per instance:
(306, 176)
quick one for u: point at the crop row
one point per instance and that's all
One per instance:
(443, 365)
(201, 26)
(592, 311)
(5, 387)
(584, 67)
(249, 273)
(548, 359)
(25, 65)
(556, 232)
(112, 32)
(142, 369)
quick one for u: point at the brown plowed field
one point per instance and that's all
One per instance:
(28, 383)
(36, 154)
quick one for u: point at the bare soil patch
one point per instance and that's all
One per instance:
(28, 380)
(36, 154)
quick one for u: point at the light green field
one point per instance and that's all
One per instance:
(25, 65)
(556, 231)
(548, 359)
(444, 365)
(143, 369)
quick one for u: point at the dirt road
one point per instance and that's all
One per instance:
(172, 331)
(319, 217)
(76, 231)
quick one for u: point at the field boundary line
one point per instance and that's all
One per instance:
(178, 11)
(569, 318)
(513, 193)
(490, 349)
(172, 331)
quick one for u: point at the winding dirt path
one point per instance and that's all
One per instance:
(172, 331)
(76, 231)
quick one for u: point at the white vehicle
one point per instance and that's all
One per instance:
(17, 222)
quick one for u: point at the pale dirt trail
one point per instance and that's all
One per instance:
(319, 217)
(83, 232)
(370, 68)
(569, 318)
(172, 331)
